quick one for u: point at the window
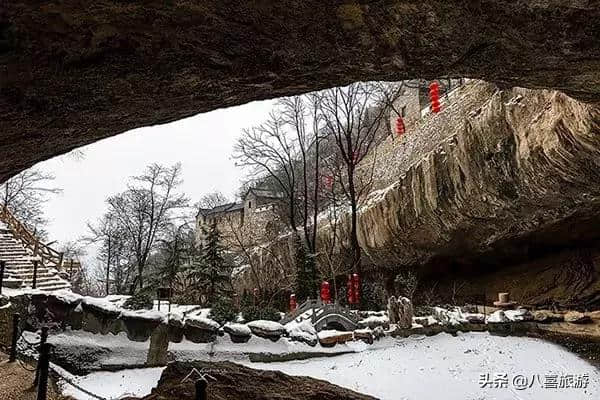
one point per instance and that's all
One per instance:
(249, 204)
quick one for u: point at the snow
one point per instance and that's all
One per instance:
(497, 317)
(303, 330)
(145, 314)
(447, 367)
(112, 385)
(202, 322)
(101, 303)
(67, 296)
(324, 334)
(374, 320)
(238, 329)
(268, 326)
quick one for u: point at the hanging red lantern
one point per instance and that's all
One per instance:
(328, 181)
(350, 290)
(325, 294)
(434, 96)
(400, 126)
(356, 288)
(293, 303)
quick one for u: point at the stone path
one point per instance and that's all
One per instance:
(16, 382)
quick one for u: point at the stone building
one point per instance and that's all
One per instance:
(258, 213)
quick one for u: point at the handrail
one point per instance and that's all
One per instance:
(48, 256)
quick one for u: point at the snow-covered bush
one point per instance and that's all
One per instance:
(223, 311)
(139, 301)
(255, 313)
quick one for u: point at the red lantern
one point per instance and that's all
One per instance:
(356, 288)
(293, 303)
(325, 295)
(328, 181)
(400, 126)
(255, 292)
(434, 96)
(350, 290)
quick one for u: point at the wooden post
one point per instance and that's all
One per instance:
(43, 365)
(60, 260)
(201, 386)
(43, 340)
(35, 269)
(2, 267)
(15, 338)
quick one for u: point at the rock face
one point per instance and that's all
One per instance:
(72, 73)
(233, 381)
(516, 178)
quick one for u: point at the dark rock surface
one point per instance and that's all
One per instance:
(74, 72)
(232, 381)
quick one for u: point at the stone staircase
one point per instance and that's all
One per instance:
(19, 267)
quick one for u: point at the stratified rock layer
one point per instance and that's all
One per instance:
(73, 72)
(527, 163)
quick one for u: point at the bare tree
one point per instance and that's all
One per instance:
(145, 210)
(114, 252)
(25, 194)
(301, 114)
(353, 116)
(212, 200)
(271, 151)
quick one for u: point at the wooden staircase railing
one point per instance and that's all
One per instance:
(49, 257)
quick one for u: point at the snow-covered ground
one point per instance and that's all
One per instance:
(469, 366)
(447, 367)
(113, 385)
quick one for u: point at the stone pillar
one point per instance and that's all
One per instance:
(159, 346)
(400, 312)
(405, 313)
(392, 309)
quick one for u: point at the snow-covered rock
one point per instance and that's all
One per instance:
(200, 329)
(519, 315)
(67, 296)
(302, 332)
(374, 321)
(329, 338)
(202, 323)
(267, 329)
(238, 333)
(100, 304)
(144, 314)
(425, 321)
(497, 317)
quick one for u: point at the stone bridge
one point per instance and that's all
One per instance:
(324, 316)
(74, 72)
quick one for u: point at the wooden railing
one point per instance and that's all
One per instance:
(49, 257)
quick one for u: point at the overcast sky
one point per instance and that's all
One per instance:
(203, 144)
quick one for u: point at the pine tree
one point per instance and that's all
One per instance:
(212, 272)
(306, 272)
